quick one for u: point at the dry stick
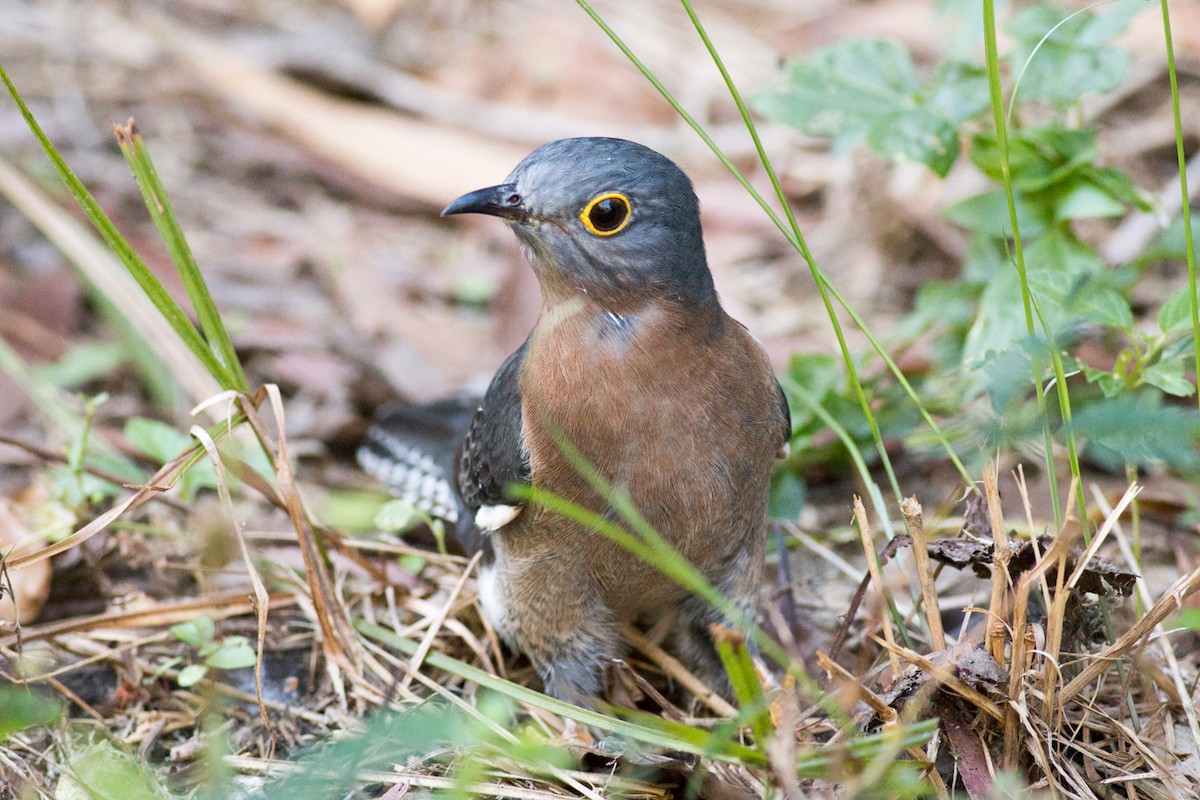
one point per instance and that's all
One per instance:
(946, 678)
(1180, 687)
(672, 667)
(337, 638)
(1056, 614)
(1062, 545)
(230, 605)
(260, 590)
(839, 637)
(876, 703)
(1001, 580)
(1169, 602)
(911, 509)
(435, 625)
(1018, 476)
(61, 458)
(864, 532)
(160, 482)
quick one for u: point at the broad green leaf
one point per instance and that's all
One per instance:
(959, 91)
(1172, 243)
(196, 632)
(23, 709)
(1085, 200)
(101, 771)
(844, 90)
(397, 516)
(1176, 313)
(1008, 377)
(987, 213)
(156, 439)
(1138, 428)
(1111, 385)
(192, 674)
(1071, 59)
(999, 323)
(1169, 376)
(867, 89)
(1038, 158)
(1102, 305)
(789, 495)
(916, 135)
(234, 652)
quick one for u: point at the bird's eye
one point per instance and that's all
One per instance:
(606, 214)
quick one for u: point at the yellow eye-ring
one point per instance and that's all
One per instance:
(606, 214)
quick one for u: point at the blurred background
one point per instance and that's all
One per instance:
(308, 147)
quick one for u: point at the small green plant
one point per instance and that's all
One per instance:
(984, 351)
(229, 652)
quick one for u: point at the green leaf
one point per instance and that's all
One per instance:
(987, 213)
(156, 439)
(24, 709)
(146, 279)
(1171, 243)
(999, 323)
(1086, 200)
(959, 91)
(1059, 63)
(1139, 429)
(101, 771)
(192, 674)
(1176, 313)
(1038, 158)
(234, 652)
(916, 135)
(1169, 376)
(789, 495)
(158, 203)
(197, 632)
(867, 89)
(1111, 385)
(1103, 305)
(397, 516)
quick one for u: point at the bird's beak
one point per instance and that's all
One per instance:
(498, 201)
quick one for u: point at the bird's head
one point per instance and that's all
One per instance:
(606, 217)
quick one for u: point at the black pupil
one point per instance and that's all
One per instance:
(608, 214)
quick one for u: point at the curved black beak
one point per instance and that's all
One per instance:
(498, 201)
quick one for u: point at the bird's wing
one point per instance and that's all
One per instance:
(492, 456)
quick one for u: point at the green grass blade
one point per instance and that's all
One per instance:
(159, 205)
(121, 248)
(631, 730)
(647, 544)
(805, 253)
(790, 232)
(992, 58)
(1181, 157)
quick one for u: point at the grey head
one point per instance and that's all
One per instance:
(606, 217)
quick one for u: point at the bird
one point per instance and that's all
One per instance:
(634, 364)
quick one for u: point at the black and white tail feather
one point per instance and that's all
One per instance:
(410, 450)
